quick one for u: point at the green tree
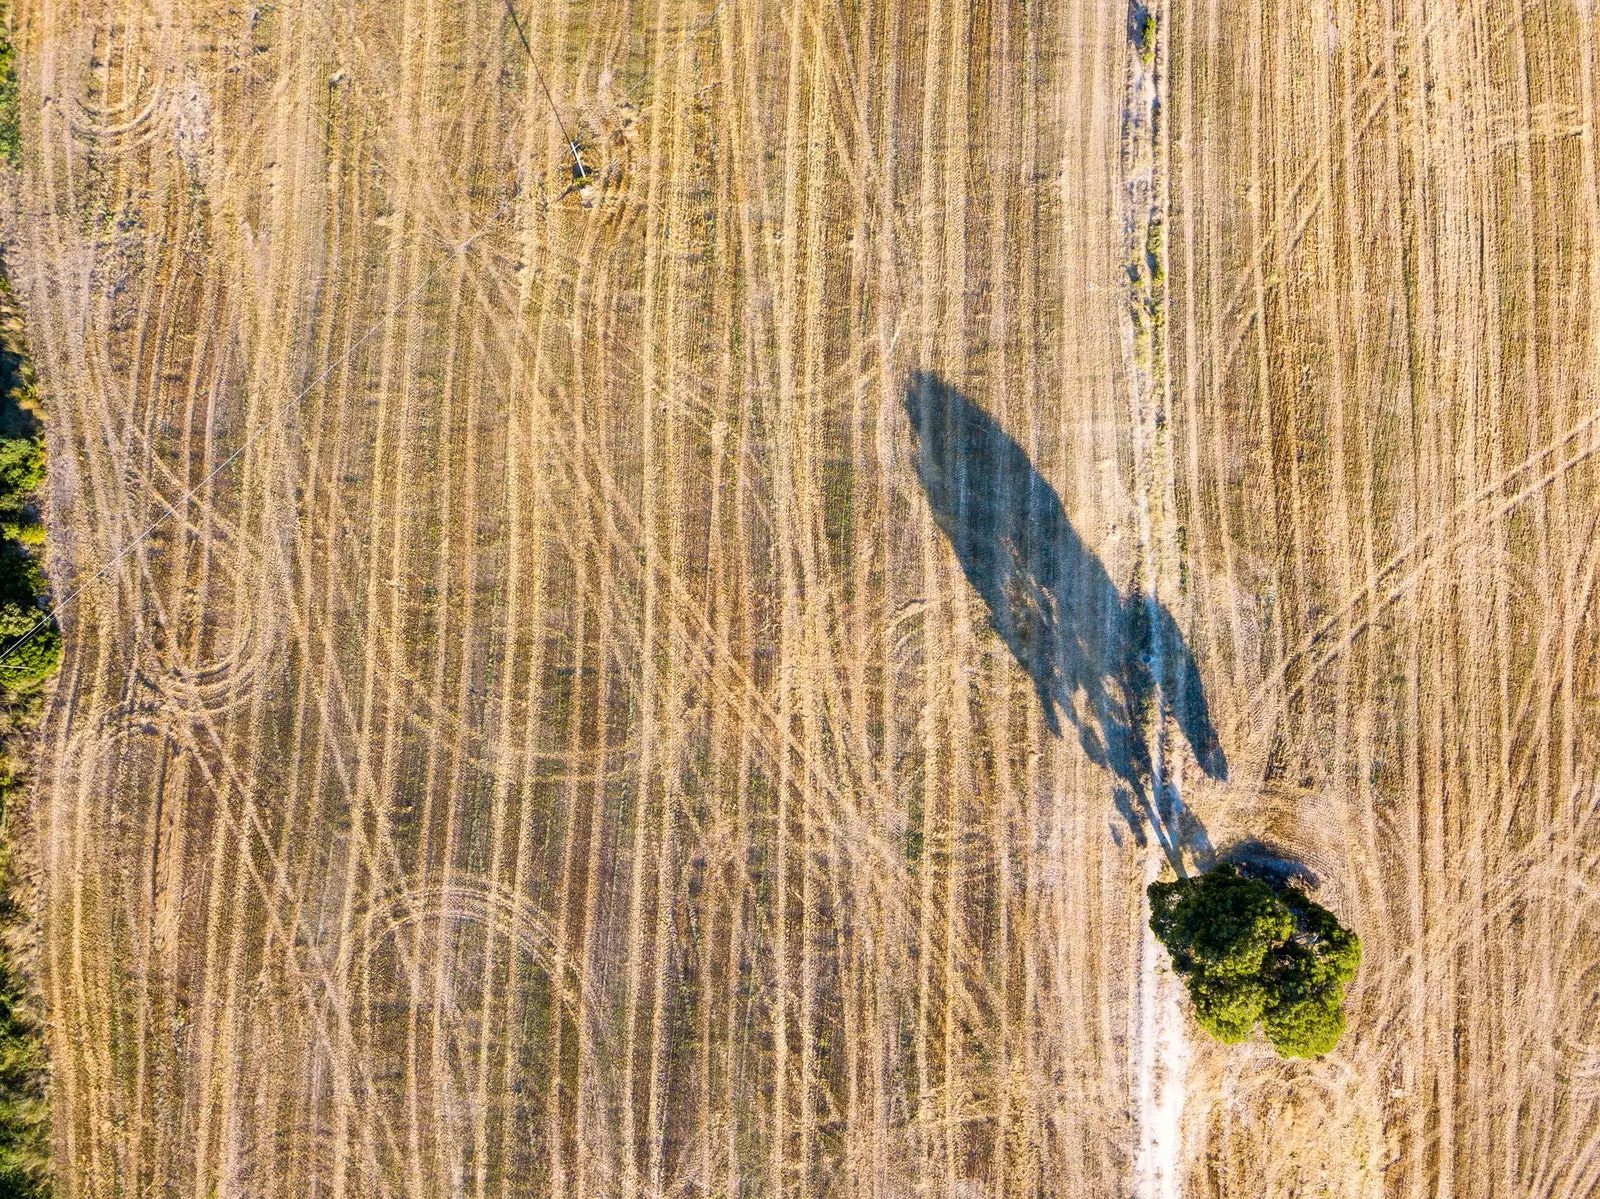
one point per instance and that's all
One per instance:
(1251, 953)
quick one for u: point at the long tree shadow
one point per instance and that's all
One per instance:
(1099, 659)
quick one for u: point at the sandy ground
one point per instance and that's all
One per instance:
(677, 685)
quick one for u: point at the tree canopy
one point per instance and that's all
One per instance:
(1251, 953)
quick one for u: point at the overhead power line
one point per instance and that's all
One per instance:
(577, 159)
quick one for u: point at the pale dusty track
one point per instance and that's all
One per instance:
(562, 754)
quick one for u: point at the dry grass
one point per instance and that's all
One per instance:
(563, 754)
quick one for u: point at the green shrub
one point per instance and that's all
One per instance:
(1251, 953)
(36, 659)
(24, 1108)
(1154, 251)
(1309, 1028)
(25, 529)
(1147, 39)
(24, 1064)
(21, 575)
(21, 467)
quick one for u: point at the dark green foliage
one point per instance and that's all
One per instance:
(21, 575)
(1227, 1007)
(29, 639)
(24, 1071)
(21, 469)
(1308, 1028)
(1221, 921)
(1252, 953)
(24, 529)
(1147, 37)
(26, 664)
(10, 108)
(32, 661)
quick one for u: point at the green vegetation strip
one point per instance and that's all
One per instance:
(10, 110)
(24, 1063)
(1253, 953)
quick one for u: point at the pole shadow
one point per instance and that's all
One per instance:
(1100, 660)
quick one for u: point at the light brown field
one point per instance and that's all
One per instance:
(547, 745)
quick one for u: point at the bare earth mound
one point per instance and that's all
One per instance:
(678, 686)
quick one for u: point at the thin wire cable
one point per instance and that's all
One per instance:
(293, 402)
(577, 160)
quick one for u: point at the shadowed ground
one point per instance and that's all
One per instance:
(1098, 658)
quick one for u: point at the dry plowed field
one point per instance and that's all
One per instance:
(676, 686)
